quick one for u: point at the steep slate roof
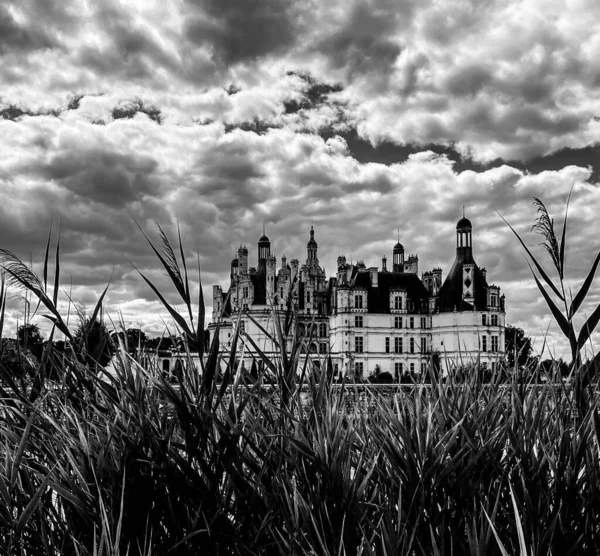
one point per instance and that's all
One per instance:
(378, 297)
(451, 293)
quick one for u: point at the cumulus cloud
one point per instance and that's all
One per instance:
(365, 117)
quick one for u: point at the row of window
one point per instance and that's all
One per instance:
(494, 344)
(493, 320)
(398, 322)
(322, 330)
(399, 370)
(398, 345)
(398, 303)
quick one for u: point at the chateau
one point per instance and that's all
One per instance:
(367, 319)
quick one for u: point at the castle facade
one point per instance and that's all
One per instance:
(366, 319)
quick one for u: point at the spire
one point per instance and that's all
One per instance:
(311, 246)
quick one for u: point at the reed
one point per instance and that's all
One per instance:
(130, 463)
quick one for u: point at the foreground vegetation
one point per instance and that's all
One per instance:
(132, 464)
(129, 463)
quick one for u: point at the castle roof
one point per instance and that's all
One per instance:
(450, 296)
(378, 297)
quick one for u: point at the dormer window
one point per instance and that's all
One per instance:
(397, 302)
(358, 301)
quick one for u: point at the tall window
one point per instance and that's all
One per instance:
(484, 343)
(242, 326)
(423, 322)
(358, 321)
(494, 343)
(245, 291)
(397, 370)
(358, 369)
(358, 344)
(322, 347)
(323, 330)
(307, 297)
(412, 322)
(412, 345)
(494, 320)
(423, 345)
(483, 320)
(358, 301)
(397, 345)
(494, 300)
(397, 322)
(397, 302)
(387, 345)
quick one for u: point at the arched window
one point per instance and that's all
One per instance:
(313, 348)
(300, 330)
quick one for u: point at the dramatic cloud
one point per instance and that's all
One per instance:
(364, 117)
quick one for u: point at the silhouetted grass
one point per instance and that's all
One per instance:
(131, 463)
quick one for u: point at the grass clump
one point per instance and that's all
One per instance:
(132, 464)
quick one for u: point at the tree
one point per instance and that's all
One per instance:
(93, 343)
(134, 339)
(518, 347)
(30, 337)
(17, 361)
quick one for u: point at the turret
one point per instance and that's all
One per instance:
(384, 264)
(311, 248)
(242, 260)
(464, 242)
(398, 258)
(234, 269)
(264, 251)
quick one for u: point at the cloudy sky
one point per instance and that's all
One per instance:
(362, 116)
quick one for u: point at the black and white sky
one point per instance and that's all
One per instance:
(360, 116)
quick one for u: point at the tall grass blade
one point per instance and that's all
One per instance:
(174, 314)
(2, 304)
(534, 260)
(56, 271)
(32, 505)
(520, 534)
(186, 285)
(583, 291)
(565, 325)
(201, 313)
(46, 257)
(588, 327)
(563, 238)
